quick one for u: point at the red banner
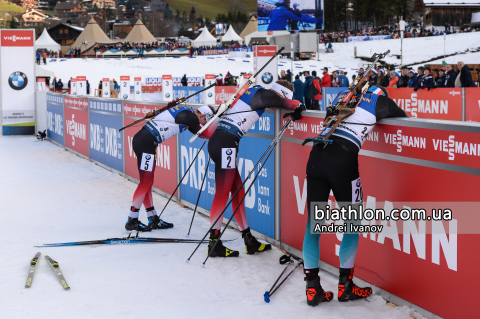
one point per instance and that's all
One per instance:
(438, 104)
(265, 50)
(17, 38)
(223, 93)
(76, 129)
(125, 78)
(472, 104)
(166, 160)
(76, 102)
(139, 109)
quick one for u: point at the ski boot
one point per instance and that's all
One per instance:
(252, 245)
(135, 224)
(155, 222)
(347, 290)
(220, 250)
(314, 291)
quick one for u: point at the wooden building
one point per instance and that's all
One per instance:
(62, 7)
(64, 33)
(27, 4)
(441, 12)
(32, 18)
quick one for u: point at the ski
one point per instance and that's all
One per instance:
(31, 272)
(128, 240)
(57, 271)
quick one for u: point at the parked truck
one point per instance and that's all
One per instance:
(305, 44)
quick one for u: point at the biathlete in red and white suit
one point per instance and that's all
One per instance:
(163, 126)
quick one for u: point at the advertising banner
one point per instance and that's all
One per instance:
(261, 55)
(154, 83)
(330, 95)
(210, 93)
(55, 123)
(177, 81)
(125, 87)
(368, 38)
(17, 81)
(138, 88)
(167, 88)
(223, 93)
(215, 52)
(194, 80)
(73, 86)
(81, 85)
(438, 104)
(76, 124)
(472, 104)
(106, 87)
(279, 15)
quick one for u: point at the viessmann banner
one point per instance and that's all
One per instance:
(17, 77)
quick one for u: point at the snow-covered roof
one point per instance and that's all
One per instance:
(45, 41)
(205, 38)
(231, 35)
(456, 3)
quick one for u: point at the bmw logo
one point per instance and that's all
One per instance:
(106, 93)
(210, 94)
(148, 157)
(229, 152)
(125, 96)
(18, 80)
(358, 183)
(267, 78)
(74, 93)
(167, 95)
(138, 92)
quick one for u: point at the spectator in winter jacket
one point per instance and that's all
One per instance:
(465, 76)
(393, 79)
(44, 56)
(450, 76)
(360, 72)
(59, 86)
(38, 55)
(403, 79)
(88, 88)
(219, 79)
(335, 80)
(426, 81)
(315, 87)
(441, 78)
(420, 74)
(69, 85)
(289, 76)
(412, 81)
(373, 77)
(184, 80)
(299, 88)
(283, 75)
(306, 90)
(386, 79)
(326, 79)
(343, 80)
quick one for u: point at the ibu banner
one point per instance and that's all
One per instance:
(76, 124)
(261, 55)
(438, 104)
(55, 123)
(166, 152)
(17, 80)
(259, 202)
(472, 104)
(223, 93)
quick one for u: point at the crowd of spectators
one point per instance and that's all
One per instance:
(42, 55)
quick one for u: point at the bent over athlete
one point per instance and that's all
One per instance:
(335, 167)
(233, 125)
(163, 126)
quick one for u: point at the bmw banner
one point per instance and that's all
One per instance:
(261, 55)
(17, 78)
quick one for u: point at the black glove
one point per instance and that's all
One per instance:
(415, 89)
(297, 113)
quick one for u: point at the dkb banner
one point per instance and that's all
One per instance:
(55, 126)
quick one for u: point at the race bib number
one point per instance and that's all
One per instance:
(148, 160)
(357, 191)
(229, 158)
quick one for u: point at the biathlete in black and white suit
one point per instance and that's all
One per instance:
(335, 168)
(163, 126)
(233, 125)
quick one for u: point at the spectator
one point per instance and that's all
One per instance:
(69, 86)
(360, 72)
(100, 87)
(54, 83)
(386, 79)
(306, 90)
(88, 88)
(343, 80)
(299, 88)
(283, 76)
(426, 81)
(373, 77)
(450, 76)
(412, 81)
(326, 79)
(219, 79)
(403, 79)
(420, 74)
(59, 86)
(440, 81)
(289, 76)
(184, 80)
(44, 56)
(315, 91)
(464, 77)
(335, 80)
(38, 55)
(393, 79)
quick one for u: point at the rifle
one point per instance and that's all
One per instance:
(170, 105)
(345, 106)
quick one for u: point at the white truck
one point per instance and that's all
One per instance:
(305, 44)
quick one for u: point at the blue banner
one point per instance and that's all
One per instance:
(265, 125)
(104, 105)
(183, 91)
(259, 202)
(106, 142)
(55, 116)
(330, 94)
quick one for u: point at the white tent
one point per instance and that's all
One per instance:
(231, 35)
(205, 38)
(45, 41)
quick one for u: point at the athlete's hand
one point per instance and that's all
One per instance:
(297, 113)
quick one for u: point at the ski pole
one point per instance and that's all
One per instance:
(238, 190)
(199, 194)
(182, 178)
(170, 105)
(268, 294)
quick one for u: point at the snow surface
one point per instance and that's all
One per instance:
(50, 195)
(415, 52)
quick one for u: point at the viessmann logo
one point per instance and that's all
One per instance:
(454, 92)
(15, 38)
(265, 51)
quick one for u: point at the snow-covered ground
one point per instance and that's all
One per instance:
(415, 51)
(50, 195)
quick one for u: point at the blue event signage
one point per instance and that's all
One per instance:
(183, 91)
(330, 94)
(259, 202)
(106, 142)
(265, 125)
(55, 116)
